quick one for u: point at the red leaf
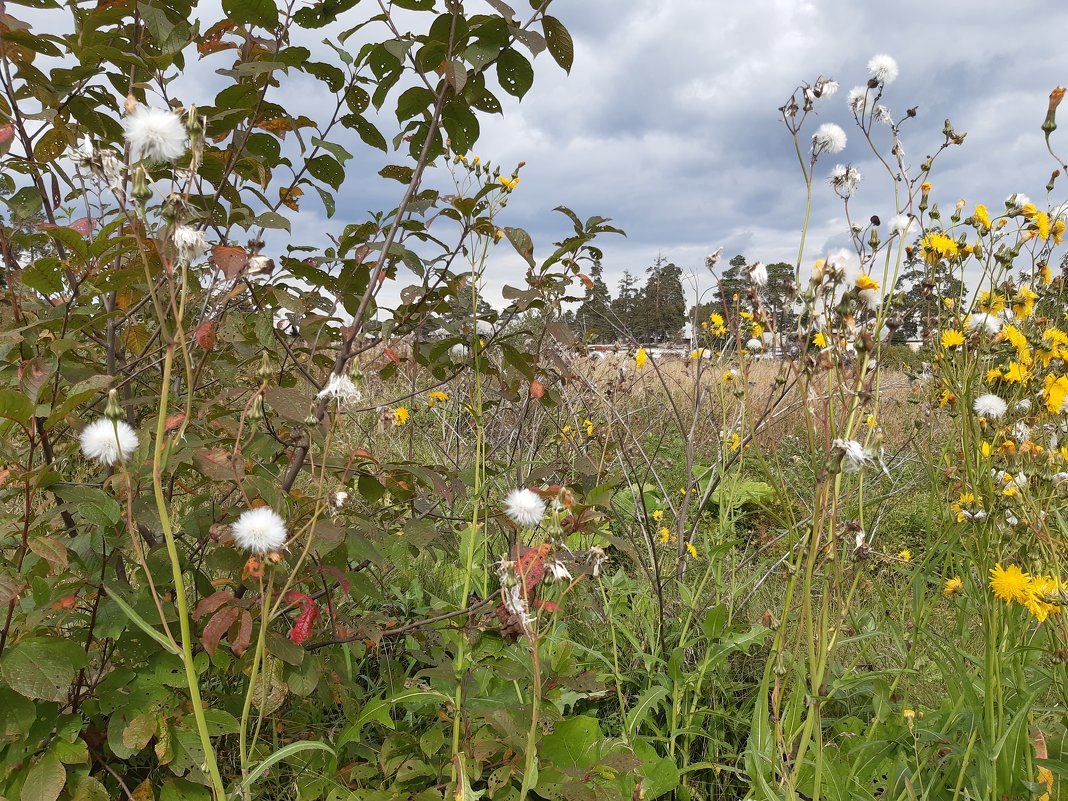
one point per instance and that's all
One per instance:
(84, 226)
(537, 390)
(301, 631)
(218, 626)
(173, 421)
(548, 606)
(391, 355)
(239, 641)
(231, 260)
(531, 566)
(205, 334)
(7, 136)
(211, 603)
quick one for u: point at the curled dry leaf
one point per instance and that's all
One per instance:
(229, 259)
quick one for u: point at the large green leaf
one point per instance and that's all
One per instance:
(42, 668)
(45, 780)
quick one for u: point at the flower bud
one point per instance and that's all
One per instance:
(113, 411)
(264, 372)
(141, 191)
(1049, 125)
(255, 412)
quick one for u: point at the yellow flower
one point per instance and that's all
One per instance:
(1045, 776)
(865, 281)
(567, 433)
(993, 374)
(1042, 225)
(949, 303)
(698, 353)
(758, 331)
(716, 321)
(499, 234)
(871, 422)
(1015, 337)
(965, 505)
(589, 427)
(1057, 231)
(640, 358)
(1044, 591)
(509, 183)
(658, 515)
(691, 550)
(746, 315)
(905, 555)
(682, 490)
(991, 302)
(1023, 304)
(952, 339)
(986, 450)
(946, 398)
(937, 246)
(1029, 210)
(982, 216)
(1010, 584)
(820, 340)
(1055, 335)
(728, 376)
(437, 397)
(663, 535)
(953, 586)
(401, 415)
(736, 441)
(1055, 392)
(925, 187)
(1016, 373)
(909, 715)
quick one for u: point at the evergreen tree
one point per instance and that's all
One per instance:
(594, 319)
(625, 304)
(917, 295)
(661, 310)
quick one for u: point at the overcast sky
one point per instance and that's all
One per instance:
(669, 125)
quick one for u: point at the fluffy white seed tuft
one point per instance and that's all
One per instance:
(156, 134)
(259, 530)
(108, 442)
(990, 405)
(525, 507)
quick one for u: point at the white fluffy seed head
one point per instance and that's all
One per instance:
(259, 530)
(525, 507)
(883, 68)
(829, 138)
(859, 100)
(156, 134)
(899, 224)
(758, 274)
(342, 389)
(990, 405)
(190, 243)
(108, 442)
(845, 179)
(854, 456)
(988, 322)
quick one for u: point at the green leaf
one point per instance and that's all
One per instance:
(25, 203)
(514, 72)
(559, 42)
(574, 743)
(283, 753)
(139, 621)
(45, 275)
(368, 132)
(252, 12)
(272, 219)
(397, 173)
(328, 170)
(42, 668)
(15, 406)
(522, 243)
(45, 780)
(461, 125)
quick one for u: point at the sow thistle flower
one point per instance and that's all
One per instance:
(641, 358)
(260, 530)
(156, 134)
(1009, 584)
(952, 339)
(401, 416)
(982, 217)
(525, 507)
(829, 138)
(937, 246)
(953, 586)
(340, 388)
(108, 441)
(968, 508)
(990, 406)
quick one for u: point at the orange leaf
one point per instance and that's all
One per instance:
(391, 355)
(231, 260)
(205, 334)
(211, 40)
(537, 390)
(173, 422)
(290, 196)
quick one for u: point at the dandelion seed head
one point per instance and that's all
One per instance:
(829, 138)
(259, 530)
(525, 507)
(883, 68)
(108, 442)
(990, 406)
(156, 134)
